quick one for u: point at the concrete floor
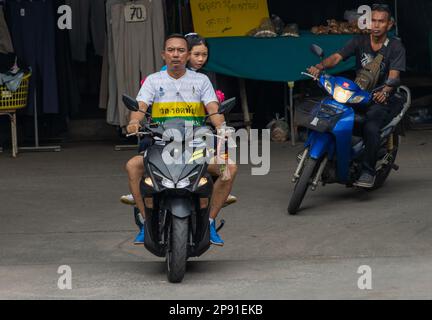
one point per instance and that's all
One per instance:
(63, 209)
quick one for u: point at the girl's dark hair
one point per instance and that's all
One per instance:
(194, 39)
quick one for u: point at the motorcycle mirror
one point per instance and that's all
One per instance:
(130, 103)
(227, 106)
(392, 82)
(317, 50)
(224, 107)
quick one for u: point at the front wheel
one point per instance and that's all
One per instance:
(302, 185)
(177, 253)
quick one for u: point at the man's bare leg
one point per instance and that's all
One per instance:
(135, 170)
(221, 189)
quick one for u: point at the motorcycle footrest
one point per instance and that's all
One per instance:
(221, 225)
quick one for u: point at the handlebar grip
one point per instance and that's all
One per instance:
(309, 75)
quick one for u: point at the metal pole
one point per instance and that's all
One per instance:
(245, 107)
(37, 147)
(286, 105)
(35, 118)
(180, 11)
(396, 18)
(292, 124)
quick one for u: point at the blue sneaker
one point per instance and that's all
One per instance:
(140, 237)
(214, 237)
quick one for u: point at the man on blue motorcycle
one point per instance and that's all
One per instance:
(366, 48)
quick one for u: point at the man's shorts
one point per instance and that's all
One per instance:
(144, 144)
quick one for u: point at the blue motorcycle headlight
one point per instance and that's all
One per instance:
(357, 99)
(328, 86)
(342, 95)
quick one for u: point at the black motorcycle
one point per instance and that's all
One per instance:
(177, 196)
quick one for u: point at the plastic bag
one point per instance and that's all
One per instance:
(279, 129)
(278, 24)
(291, 30)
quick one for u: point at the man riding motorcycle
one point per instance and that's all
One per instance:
(366, 48)
(179, 87)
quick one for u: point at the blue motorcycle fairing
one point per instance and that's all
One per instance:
(343, 134)
(346, 84)
(337, 143)
(320, 144)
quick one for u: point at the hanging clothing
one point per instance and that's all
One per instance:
(134, 52)
(5, 39)
(88, 25)
(32, 29)
(110, 82)
(68, 90)
(103, 94)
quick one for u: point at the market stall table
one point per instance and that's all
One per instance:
(280, 59)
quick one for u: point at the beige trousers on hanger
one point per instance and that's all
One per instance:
(5, 39)
(137, 50)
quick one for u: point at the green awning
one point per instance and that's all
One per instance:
(273, 59)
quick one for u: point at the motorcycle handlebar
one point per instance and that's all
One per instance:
(309, 75)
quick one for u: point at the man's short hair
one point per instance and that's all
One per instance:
(176, 36)
(382, 7)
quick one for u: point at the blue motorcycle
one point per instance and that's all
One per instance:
(334, 147)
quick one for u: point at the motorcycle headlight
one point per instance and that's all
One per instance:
(183, 183)
(148, 181)
(341, 95)
(203, 181)
(328, 86)
(167, 183)
(357, 99)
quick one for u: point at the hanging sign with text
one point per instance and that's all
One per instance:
(227, 18)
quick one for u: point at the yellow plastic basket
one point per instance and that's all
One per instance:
(15, 100)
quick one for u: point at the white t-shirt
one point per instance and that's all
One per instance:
(183, 98)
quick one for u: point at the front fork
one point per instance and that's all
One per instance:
(320, 171)
(300, 166)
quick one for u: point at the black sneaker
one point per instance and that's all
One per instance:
(366, 180)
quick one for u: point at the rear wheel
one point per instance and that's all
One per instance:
(384, 172)
(177, 254)
(302, 185)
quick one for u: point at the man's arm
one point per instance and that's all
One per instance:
(136, 118)
(382, 96)
(347, 51)
(217, 120)
(327, 63)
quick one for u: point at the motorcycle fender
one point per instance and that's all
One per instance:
(179, 207)
(319, 144)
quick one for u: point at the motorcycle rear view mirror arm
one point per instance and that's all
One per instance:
(132, 104)
(317, 50)
(224, 107)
